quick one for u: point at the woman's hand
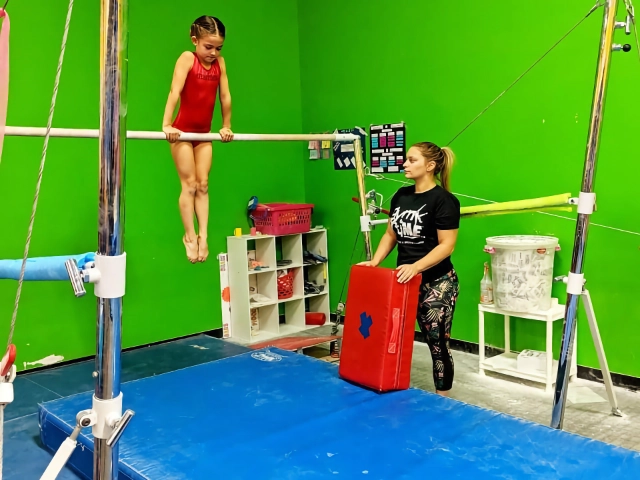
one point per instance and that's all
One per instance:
(226, 134)
(173, 134)
(370, 263)
(407, 272)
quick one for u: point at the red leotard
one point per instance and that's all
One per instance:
(198, 98)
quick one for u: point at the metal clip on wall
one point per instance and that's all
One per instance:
(366, 223)
(78, 277)
(107, 273)
(626, 25)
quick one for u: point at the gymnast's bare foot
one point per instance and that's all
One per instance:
(203, 248)
(192, 248)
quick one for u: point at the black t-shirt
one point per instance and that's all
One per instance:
(416, 219)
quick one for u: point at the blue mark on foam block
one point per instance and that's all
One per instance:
(365, 324)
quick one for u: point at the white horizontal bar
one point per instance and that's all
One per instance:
(207, 137)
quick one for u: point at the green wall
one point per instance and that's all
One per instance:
(166, 296)
(436, 65)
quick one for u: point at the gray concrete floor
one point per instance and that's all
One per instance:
(590, 417)
(528, 400)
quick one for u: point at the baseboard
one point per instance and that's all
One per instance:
(619, 380)
(587, 373)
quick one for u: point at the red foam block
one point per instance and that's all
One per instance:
(379, 325)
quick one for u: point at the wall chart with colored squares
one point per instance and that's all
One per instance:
(437, 279)
(388, 148)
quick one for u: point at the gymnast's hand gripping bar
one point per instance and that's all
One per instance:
(148, 135)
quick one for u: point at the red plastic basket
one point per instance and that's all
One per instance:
(282, 218)
(285, 286)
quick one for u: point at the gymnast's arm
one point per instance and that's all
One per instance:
(387, 242)
(225, 95)
(183, 65)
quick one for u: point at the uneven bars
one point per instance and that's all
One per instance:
(148, 135)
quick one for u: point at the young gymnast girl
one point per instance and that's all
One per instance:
(424, 225)
(197, 78)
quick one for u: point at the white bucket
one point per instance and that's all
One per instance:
(522, 271)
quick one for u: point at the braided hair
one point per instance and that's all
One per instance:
(206, 25)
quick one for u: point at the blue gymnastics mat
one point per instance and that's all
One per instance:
(272, 414)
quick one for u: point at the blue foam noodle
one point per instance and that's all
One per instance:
(42, 268)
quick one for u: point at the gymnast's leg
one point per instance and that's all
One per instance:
(183, 157)
(203, 153)
(435, 315)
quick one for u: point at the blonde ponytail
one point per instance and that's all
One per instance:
(444, 158)
(447, 166)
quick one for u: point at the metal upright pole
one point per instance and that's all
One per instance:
(112, 139)
(357, 147)
(585, 208)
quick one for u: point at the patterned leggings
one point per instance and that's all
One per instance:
(435, 314)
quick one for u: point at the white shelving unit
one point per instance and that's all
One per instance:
(264, 281)
(507, 362)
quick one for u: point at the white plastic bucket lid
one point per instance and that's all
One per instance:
(519, 242)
